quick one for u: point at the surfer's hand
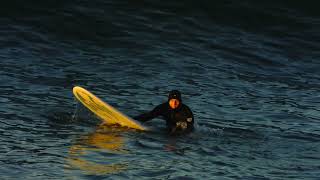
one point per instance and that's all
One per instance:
(182, 125)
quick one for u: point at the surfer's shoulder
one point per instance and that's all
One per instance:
(160, 107)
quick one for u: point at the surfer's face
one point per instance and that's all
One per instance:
(174, 103)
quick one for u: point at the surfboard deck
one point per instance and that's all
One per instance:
(103, 110)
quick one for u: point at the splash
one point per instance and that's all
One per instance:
(202, 129)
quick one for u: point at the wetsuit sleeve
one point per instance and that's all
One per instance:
(157, 111)
(190, 120)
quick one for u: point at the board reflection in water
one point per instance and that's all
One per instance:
(90, 153)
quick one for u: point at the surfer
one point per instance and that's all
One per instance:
(178, 116)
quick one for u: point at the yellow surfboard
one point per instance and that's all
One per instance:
(105, 111)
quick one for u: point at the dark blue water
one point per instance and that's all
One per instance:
(249, 71)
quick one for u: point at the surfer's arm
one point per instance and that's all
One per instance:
(190, 121)
(157, 111)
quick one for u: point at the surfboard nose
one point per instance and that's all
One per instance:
(75, 89)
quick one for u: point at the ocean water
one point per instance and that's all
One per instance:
(249, 70)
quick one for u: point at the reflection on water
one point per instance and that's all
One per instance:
(105, 139)
(92, 168)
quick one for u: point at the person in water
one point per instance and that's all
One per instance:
(178, 116)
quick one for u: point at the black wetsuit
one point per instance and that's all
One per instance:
(179, 120)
